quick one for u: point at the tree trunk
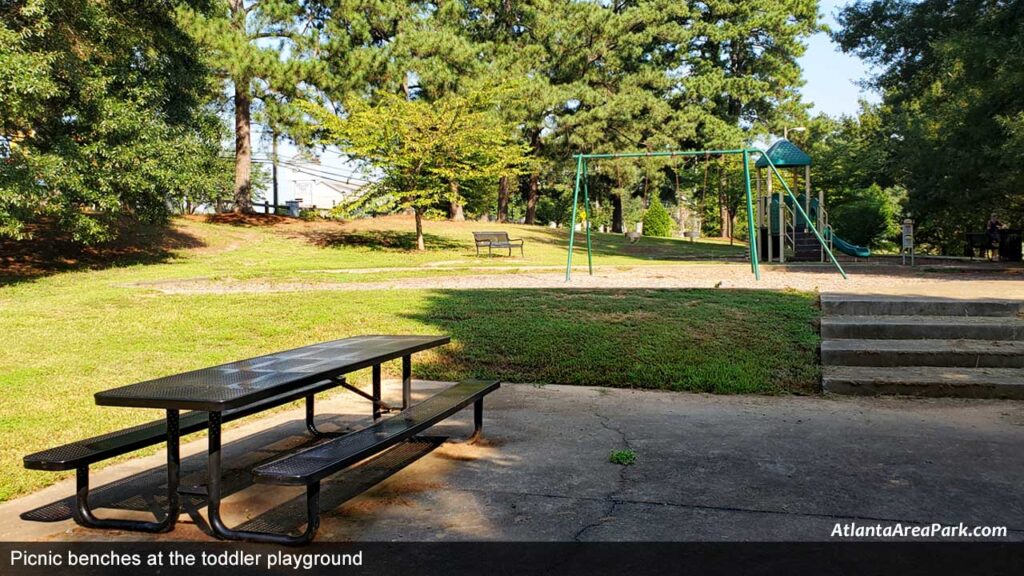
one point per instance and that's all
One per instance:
(616, 213)
(243, 147)
(455, 212)
(532, 196)
(419, 231)
(503, 194)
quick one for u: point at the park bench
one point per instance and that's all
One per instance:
(496, 240)
(231, 391)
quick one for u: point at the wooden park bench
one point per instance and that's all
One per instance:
(231, 391)
(497, 240)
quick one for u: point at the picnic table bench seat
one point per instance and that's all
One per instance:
(492, 240)
(308, 466)
(312, 464)
(83, 453)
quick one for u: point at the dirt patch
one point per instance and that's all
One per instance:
(248, 220)
(388, 496)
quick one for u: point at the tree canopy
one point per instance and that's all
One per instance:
(104, 113)
(951, 121)
(424, 150)
(118, 107)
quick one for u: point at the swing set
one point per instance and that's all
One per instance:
(582, 161)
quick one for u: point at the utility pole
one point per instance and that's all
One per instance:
(273, 165)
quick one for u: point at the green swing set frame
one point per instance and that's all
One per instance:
(581, 183)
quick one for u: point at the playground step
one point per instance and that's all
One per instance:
(858, 305)
(939, 327)
(926, 381)
(891, 353)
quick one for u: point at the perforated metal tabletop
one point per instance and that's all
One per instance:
(239, 383)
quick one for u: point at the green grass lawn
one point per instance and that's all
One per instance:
(68, 335)
(329, 251)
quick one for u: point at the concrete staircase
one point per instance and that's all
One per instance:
(922, 346)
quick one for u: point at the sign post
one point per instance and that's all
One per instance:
(908, 240)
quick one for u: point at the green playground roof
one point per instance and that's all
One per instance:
(785, 154)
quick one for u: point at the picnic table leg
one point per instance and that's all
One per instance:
(376, 391)
(406, 381)
(311, 417)
(83, 513)
(478, 421)
(220, 530)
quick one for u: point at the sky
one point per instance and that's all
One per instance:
(829, 74)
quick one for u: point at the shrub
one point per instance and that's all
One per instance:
(657, 220)
(870, 217)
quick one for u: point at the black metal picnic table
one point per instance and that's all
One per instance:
(234, 386)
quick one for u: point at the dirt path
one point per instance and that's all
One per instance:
(867, 279)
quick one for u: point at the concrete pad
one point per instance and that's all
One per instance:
(709, 468)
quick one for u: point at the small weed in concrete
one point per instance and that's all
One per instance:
(623, 457)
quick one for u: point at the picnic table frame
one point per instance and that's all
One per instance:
(237, 384)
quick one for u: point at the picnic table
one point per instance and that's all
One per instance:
(221, 393)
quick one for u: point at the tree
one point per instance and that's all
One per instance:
(422, 147)
(275, 53)
(869, 216)
(657, 221)
(949, 73)
(105, 113)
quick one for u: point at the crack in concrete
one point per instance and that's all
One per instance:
(613, 502)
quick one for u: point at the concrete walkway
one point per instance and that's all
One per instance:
(709, 468)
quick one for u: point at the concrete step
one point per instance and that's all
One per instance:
(963, 353)
(868, 305)
(926, 381)
(934, 327)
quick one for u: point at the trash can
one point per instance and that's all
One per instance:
(293, 208)
(1010, 245)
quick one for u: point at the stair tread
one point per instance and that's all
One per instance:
(923, 320)
(922, 375)
(843, 297)
(1001, 347)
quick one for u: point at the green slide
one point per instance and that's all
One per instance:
(845, 247)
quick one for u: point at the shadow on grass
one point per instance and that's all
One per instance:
(51, 250)
(720, 341)
(649, 248)
(378, 240)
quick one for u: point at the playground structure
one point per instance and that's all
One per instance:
(773, 209)
(796, 207)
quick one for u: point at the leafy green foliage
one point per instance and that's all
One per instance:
(623, 457)
(868, 217)
(949, 72)
(657, 221)
(424, 150)
(103, 115)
